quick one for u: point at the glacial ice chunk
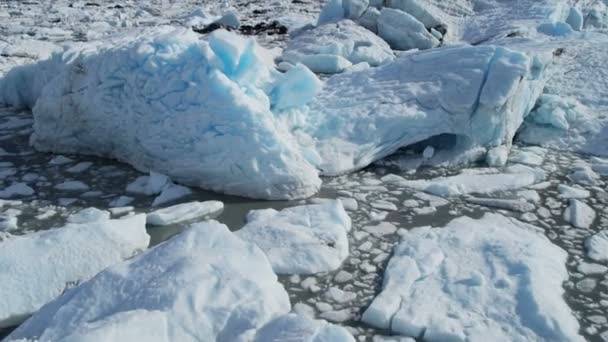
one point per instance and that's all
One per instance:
(301, 240)
(39, 267)
(183, 212)
(494, 278)
(403, 31)
(326, 48)
(204, 284)
(165, 100)
(597, 246)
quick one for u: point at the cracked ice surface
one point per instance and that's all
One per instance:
(203, 285)
(495, 278)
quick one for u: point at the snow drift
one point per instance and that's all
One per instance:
(213, 112)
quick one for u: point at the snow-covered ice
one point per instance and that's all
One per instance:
(184, 212)
(597, 246)
(296, 328)
(465, 183)
(489, 279)
(301, 240)
(579, 214)
(215, 95)
(89, 215)
(203, 285)
(39, 267)
(343, 40)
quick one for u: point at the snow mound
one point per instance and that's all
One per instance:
(476, 96)
(203, 285)
(200, 111)
(38, 267)
(336, 41)
(476, 280)
(301, 240)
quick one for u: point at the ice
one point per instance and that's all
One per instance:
(475, 280)
(332, 11)
(184, 212)
(579, 214)
(301, 240)
(597, 246)
(205, 284)
(575, 19)
(16, 189)
(89, 215)
(555, 29)
(171, 192)
(403, 31)
(508, 204)
(148, 185)
(295, 328)
(380, 229)
(464, 183)
(72, 186)
(566, 191)
(121, 201)
(344, 43)
(426, 13)
(164, 100)
(465, 98)
(39, 267)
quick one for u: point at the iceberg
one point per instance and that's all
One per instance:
(39, 267)
(472, 97)
(213, 112)
(204, 284)
(301, 240)
(494, 278)
(165, 100)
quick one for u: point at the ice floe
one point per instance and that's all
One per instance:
(39, 267)
(301, 240)
(493, 278)
(184, 212)
(579, 214)
(597, 246)
(203, 285)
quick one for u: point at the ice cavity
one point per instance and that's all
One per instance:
(202, 285)
(301, 240)
(39, 267)
(494, 278)
(333, 47)
(478, 95)
(198, 110)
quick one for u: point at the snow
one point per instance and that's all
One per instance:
(295, 328)
(494, 278)
(579, 214)
(184, 212)
(465, 183)
(214, 95)
(39, 267)
(343, 42)
(301, 240)
(204, 284)
(403, 31)
(597, 246)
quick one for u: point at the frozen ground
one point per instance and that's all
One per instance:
(383, 201)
